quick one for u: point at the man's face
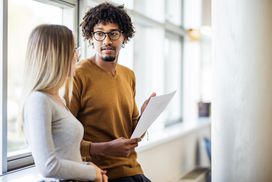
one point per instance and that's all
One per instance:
(107, 46)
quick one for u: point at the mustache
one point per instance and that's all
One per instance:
(107, 48)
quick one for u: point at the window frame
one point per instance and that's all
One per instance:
(171, 30)
(3, 86)
(25, 159)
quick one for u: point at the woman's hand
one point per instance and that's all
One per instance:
(100, 174)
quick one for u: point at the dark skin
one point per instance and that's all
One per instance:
(120, 146)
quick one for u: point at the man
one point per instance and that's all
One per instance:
(103, 96)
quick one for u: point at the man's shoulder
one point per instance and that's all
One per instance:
(126, 70)
(83, 67)
(82, 64)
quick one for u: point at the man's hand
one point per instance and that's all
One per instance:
(120, 147)
(146, 102)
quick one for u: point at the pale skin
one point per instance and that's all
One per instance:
(107, 47)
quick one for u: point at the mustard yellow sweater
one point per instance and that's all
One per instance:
(106, 107)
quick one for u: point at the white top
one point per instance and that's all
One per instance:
(54, 136)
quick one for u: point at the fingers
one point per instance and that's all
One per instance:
(123, 146)
(100, 175)
(147, 101)
(105, 178)
(152, 95)
(131, 141)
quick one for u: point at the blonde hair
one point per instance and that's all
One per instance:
(49, 55)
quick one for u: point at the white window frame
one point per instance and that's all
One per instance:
(169, 28)
(3, 86)
(23, 159)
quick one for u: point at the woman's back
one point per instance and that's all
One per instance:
(54, 135)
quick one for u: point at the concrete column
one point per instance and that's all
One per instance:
(242, 105)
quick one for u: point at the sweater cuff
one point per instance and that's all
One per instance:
(85, 150)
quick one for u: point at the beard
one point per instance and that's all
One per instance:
(108, 58)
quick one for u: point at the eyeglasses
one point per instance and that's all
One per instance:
(113, 35)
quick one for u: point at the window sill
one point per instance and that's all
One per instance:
(172, 133)
(179, 130)
(25, 174)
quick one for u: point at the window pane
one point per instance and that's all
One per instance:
(23, 16)
(173, 11)
(126, 54)
(151, 8)
(148, 66)
(128, 3)
(173, 77)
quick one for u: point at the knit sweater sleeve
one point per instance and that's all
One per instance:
(38, 128)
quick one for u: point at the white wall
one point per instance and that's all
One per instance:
(242, 128)
(172, 159)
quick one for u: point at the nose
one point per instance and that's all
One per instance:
(107, 40)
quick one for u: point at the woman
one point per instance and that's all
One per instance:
(52, 132)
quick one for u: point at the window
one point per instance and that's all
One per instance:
(22, 17)
(173, 77)
(128, 3)
(3, 55)
(31, 14)
(148, 65)
(153, 9)
(173, 12)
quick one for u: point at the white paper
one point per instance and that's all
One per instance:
(152, 111)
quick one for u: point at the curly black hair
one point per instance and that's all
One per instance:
(107, 13)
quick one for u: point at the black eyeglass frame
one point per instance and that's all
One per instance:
(109, 34)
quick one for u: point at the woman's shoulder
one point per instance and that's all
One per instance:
(37, 96)
(36, 99)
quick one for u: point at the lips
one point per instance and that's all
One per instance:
(107, 48)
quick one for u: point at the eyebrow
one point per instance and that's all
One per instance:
(101, 29)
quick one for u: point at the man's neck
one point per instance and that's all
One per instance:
(106, 66)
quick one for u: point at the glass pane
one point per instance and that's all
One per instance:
(148, 66)
(173, 11)
(151, 8)
(206, 69)
(128, 3)
(126, 54)
(23, 16)
(173, 77)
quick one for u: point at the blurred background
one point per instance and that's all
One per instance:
(171, 51)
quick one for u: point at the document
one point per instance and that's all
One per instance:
(152, 111)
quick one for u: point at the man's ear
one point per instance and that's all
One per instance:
(125, 40)
(91, 43)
